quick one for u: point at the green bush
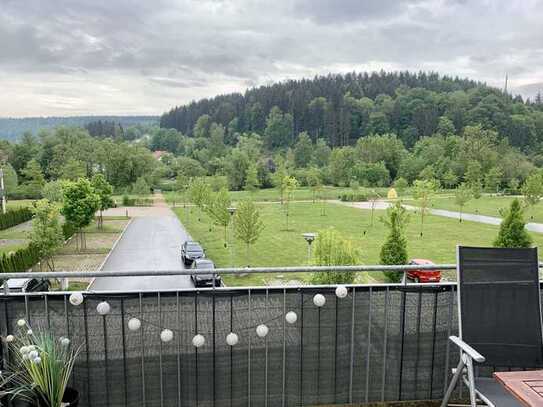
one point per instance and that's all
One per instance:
(14, 217)
(352, 197)
(19, 261)
(68, 230)
(128, 201)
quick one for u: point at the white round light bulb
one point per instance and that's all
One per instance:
(103, 308)
(291, 317)
(232, 339)
(198, 341)
(262, 330)
(76, 298)
(134, 324)
(319, 300)
(166, 335)
(341, 291)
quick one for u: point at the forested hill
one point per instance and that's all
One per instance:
(13, 128)
(343, 108)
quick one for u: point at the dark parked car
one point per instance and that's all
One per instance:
(201, 276)
(191, 251)
(425, 275)
(25, 285)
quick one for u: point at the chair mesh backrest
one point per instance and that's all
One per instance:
(500, 305)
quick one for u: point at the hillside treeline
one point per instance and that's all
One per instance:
(340, 109)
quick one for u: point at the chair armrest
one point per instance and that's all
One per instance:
(472, 353)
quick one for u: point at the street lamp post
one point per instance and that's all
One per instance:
(309, 238)
(231, 211)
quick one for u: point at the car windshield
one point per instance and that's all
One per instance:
(205, 265)
(194, 248)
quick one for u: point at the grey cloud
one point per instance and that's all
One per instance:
(151, 55)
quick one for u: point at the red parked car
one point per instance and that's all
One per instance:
(423, 276)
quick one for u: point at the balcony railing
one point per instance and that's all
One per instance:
(383, 342)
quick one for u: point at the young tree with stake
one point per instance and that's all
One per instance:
(104, 191)
(423, 191)
(46, 235)
(217, 209)
(247, 224)
(462, 196)
(394, 250)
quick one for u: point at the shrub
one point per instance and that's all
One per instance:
(394, 250)
(20, 261)
(512, 229)
(352, 197)
(331, 249)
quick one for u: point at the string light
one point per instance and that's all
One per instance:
(291, 317)
(232, 339)
(134, 324)
(341, 291)
(166, 335)
(76, 298)
(198, 341)
(319, 300)
(262, 330)
(103, 308)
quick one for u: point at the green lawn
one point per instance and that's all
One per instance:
(278, 247)
(485, 205)
(272, 195)
(13, 204)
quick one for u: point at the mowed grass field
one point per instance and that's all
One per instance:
(279, 247)
(300, 194)
(485, 205)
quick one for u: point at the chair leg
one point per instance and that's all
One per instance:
(453, 383)
(471, 379)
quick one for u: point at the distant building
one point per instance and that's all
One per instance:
(159, 154)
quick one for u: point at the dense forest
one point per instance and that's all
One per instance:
(359, 129)
(342, 108)
(14, 128)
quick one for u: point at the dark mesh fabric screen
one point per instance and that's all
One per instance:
(499, 294)
(378, 344)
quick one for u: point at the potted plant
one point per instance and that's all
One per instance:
(41, 369)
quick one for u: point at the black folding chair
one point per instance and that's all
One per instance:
(499, 319)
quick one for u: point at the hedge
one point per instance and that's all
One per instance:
(14, 217)
(127, 201)
(19, 261)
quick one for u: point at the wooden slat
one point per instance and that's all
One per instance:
(526, 386)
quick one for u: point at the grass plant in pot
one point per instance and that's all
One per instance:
(40, 369)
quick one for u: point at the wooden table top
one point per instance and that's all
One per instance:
(527, 386)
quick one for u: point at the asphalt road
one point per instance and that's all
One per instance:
(149, 243)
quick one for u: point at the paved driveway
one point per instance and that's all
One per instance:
(149, 243)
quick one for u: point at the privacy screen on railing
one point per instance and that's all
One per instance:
(378, 343)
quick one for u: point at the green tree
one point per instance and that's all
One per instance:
(401, 184)
(251, 178)
(314, 181)
(105, 192)
(34, 178)
(279, 127)
(512, 231)
(290, 185)
(247, 224)
(79, 205)
(46, 234)
(532, 189)
(423, 192)
(10, 179)
(394, 250)
(462, 196)
(73, 169)
(303, 150)
(493, 179)
(199, 192)
(141, 187)
(332, 249)
(217, 209)
(52, 191)
(278, 179)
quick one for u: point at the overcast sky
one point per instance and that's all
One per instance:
(71, 57)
